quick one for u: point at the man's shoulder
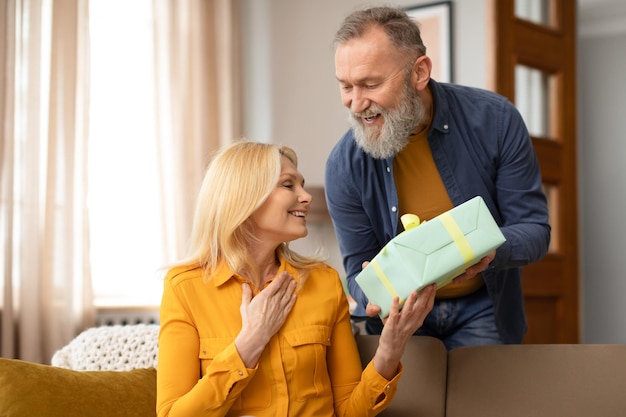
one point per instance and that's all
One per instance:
(459, 92)
(344, 155)
(345, 147)
(344, 165)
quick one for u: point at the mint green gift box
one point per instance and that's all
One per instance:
(435, 251)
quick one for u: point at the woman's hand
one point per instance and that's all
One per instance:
(263, 315)
(399, 326)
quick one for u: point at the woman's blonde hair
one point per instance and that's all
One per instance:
(238, 181)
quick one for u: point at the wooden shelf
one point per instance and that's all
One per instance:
(318, 211)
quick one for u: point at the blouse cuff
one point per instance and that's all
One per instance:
(381, 389)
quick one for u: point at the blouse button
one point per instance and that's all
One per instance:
(388, 387)
(240, 373)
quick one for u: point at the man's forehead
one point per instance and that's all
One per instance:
(364, 61)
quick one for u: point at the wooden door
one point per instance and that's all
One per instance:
(534, 50)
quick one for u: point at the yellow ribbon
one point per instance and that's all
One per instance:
(453, 230)
(457, 236)
(383, 278)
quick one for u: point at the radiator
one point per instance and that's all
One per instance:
(110, 316)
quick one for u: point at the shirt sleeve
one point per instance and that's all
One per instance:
(181, 391)
(481, 146)
(520, 198)
(356, 392)
(358, 238)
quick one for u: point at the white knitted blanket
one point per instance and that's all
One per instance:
(111, 348)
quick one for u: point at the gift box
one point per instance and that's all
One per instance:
(434, 251)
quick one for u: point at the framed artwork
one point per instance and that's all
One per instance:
(435, 23)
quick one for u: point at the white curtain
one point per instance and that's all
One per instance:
(46, 294)
(197, 73)
(45, 287)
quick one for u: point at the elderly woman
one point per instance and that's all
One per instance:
(248, 326)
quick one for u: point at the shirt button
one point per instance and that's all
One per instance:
(445, 127)
(240, 373)
(394, 209)
(388, 169)
(388, 387)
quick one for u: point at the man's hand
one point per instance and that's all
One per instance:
(477, 268)
(371, 310)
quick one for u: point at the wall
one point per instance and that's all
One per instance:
(602, 151)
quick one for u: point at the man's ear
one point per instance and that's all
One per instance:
(421, 72)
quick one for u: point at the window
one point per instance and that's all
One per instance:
(124, 207)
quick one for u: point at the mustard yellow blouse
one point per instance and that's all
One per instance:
(311, 367)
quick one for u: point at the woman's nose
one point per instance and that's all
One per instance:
(305, 197)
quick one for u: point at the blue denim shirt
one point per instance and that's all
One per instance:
(480, 146)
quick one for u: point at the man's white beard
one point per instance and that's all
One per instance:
(398, 124)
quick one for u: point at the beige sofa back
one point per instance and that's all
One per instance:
(422, 388)
(537, 380)
(507, 380)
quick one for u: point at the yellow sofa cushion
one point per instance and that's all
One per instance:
(29, 389)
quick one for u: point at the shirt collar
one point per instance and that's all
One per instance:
(441, 114)
(223, 273)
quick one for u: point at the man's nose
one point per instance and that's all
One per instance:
(358, 101)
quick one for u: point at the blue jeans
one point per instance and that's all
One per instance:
(463, 321)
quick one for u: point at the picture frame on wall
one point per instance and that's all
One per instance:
(435, 23)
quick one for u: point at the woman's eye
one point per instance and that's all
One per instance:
(287, 185)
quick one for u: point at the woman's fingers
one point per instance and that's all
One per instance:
(246, 294)
(272, 305)
(424, 301)
(411, 315)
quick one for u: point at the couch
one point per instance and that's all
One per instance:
(564, 380)
(110, 371)
(104, 371)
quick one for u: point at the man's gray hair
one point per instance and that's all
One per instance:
(401, 29)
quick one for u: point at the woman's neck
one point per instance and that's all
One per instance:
(267, 266)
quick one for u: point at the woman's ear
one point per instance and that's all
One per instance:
(421, 72)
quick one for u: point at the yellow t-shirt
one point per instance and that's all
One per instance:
(311, 367)
(421, 191)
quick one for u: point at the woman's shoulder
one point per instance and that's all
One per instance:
(320, 267)
(324, 274)
(180, 273)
